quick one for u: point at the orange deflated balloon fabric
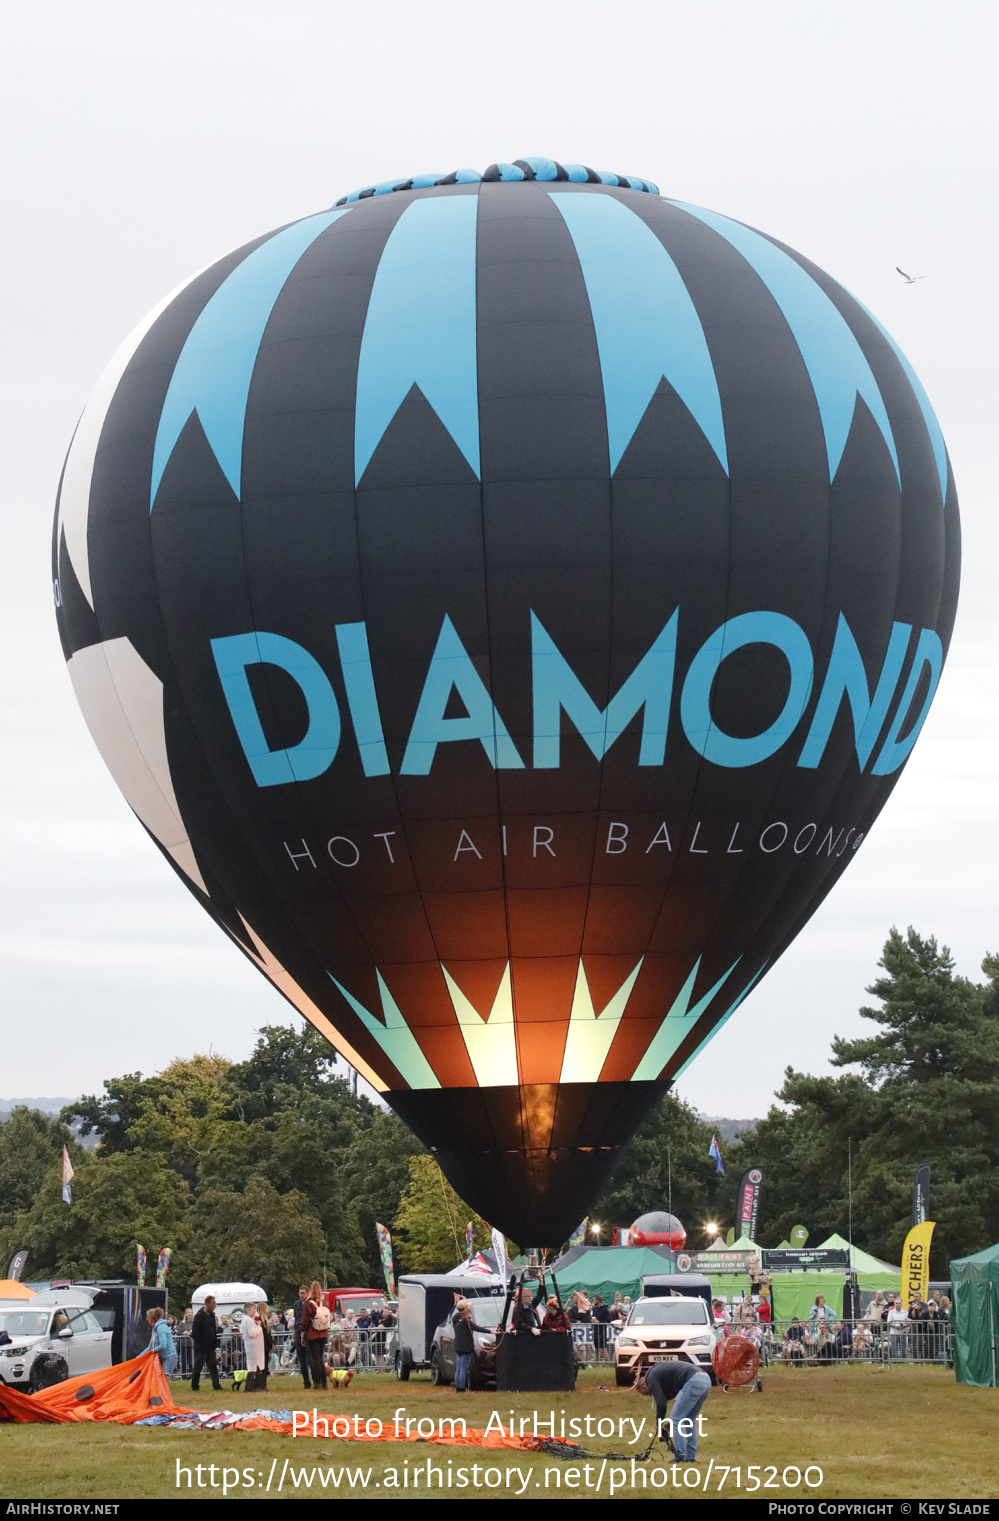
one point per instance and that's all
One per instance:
(137, 1391)
(125, 1394)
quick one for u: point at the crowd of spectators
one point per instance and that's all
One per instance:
(887, 1330)
(256, 1341)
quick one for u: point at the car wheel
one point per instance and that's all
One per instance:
(623, 1378)
(402, 1367)
(437, 1375)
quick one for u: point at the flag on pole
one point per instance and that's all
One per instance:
(385, 1252)
(714, 1151)
(499, 1250)
(67, 1178)
(163, 1266)
(140, 1265)
(469, 1240)
(579, 1234)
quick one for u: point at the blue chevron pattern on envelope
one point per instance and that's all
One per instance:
(646, 325)
(490, 1037)
(677, 1025)
(925, 405)
(836, 364)
(726, 1016)
(420, 326)
(394, 1036)
(213, 373)
(590, 1035)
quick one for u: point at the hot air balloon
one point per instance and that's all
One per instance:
(508, 600)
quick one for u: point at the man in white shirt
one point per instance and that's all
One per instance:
(898, 1329)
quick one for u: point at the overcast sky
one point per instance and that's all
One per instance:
(144, 141)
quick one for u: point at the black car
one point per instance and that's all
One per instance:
(486, 1316)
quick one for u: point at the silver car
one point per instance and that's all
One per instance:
(70, 1331)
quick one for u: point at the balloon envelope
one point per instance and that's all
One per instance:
(508, 601)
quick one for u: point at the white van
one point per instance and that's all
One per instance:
(230, 1298)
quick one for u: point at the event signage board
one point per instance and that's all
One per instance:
(749, 1202)
(782, 1261)
(713, 1262)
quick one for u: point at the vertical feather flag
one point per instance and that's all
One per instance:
(385, 1251)
(140, 1265)
(163, 1266)
(469, 1240)
(915, 1277)
(67, 1178)
(499, 1248)
(578, 1236)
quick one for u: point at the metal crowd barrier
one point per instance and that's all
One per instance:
(921, 1341)
(593, 1344)
(915, 1341)
(367, 1351)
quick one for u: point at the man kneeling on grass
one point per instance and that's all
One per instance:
(688, 1387)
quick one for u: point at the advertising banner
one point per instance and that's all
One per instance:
(713, 1262)
(916, 1261)
(385, 1252)
(17, 1265)
(921, 1195)
(782, 1260)
(748, 1205)
(163, 1266)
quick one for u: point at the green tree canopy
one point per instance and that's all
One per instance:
(259, 1236)
(430, 1221)
(30, 1143)
(118, 1199)
(927, 1092)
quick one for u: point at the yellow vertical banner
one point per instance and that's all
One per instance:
(916, 1262)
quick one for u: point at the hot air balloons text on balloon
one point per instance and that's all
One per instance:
(508, 601)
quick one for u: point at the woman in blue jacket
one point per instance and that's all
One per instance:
(162, 1342)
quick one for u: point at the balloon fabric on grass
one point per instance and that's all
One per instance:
(508, 600)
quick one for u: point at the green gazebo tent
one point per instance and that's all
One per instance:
(608, 1270)
(871, 1272)
(975, 1317)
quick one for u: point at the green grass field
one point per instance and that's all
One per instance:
(907, 1432)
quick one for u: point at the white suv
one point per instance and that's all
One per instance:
(68, 1329)
(674, 1328)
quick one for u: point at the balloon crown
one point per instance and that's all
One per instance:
(521, 169)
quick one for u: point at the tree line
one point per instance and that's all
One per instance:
(273, 1170)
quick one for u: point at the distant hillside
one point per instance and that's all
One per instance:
(46, 1105)
(726, 1129)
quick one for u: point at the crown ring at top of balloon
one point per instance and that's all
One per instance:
(520, 169)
